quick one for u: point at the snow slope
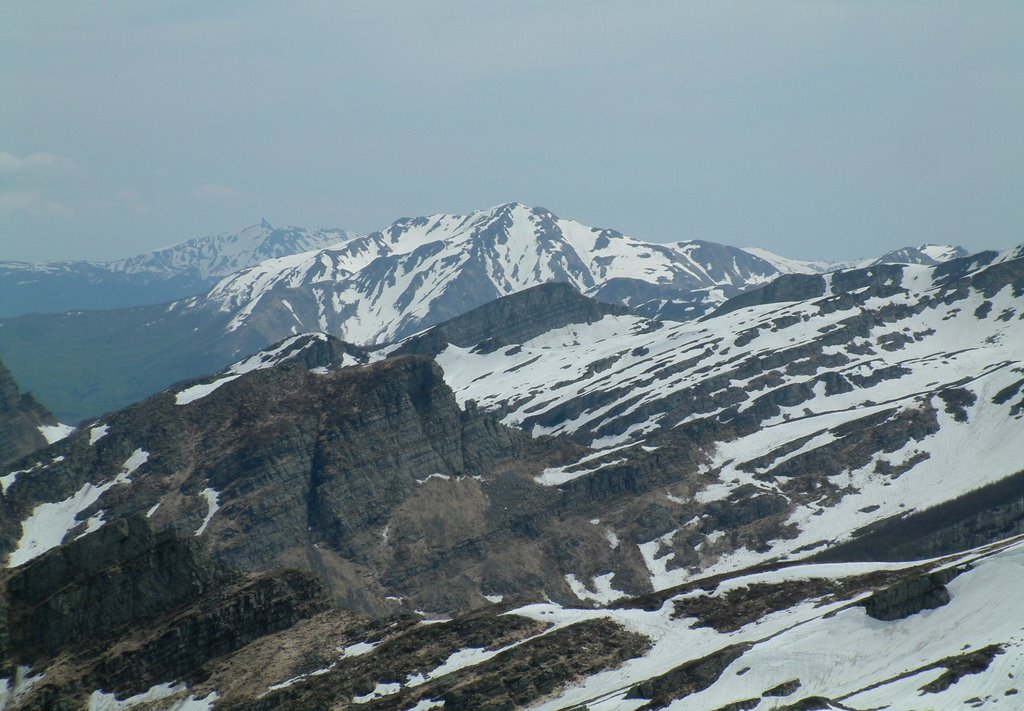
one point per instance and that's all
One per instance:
(419, 271)
(891, 397)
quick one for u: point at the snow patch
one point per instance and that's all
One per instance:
(358, 649)
(379, 691)
(49, 523)
(212, 504)
(12, 691)
(603, 591)
(55, 433)
(97, 433)
(101, 701)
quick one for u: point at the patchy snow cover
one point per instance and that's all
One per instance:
(55, 433)
(49, 523)
(629, 375)
(228, 252)
(284, 351)
(785, 265)
(426, 705)
(102, 701)
(382, 286)
(379, 691)
(834, 650)
(601, 591)
(301, 677)
(212, 505)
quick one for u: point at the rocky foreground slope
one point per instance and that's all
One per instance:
(616, 513)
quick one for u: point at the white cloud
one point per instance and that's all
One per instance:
(35, 165)
(215, 193)
(30, 201)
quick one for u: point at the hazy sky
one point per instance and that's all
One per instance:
(816, 129)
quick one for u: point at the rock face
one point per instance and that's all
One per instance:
(514, 319)
(351, 473)
(121, 575)
(908, 597)
(20, 418)
(135, 608)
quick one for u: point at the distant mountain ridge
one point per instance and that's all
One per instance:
(421, 271)
(368, 290)
(154, 277)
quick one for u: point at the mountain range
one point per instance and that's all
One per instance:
(803, 493)
(155, 277)
(367, 290)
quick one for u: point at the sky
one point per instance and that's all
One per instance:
(815, 129)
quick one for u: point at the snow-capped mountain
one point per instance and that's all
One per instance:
(154, 277)
(367, 290)
(223, 254)
(420, 271)
(925, 254)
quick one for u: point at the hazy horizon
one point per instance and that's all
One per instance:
(825, 130)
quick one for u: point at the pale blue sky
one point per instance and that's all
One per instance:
(815, 129)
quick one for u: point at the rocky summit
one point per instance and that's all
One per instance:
(807, 494)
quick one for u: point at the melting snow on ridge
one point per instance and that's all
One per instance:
(49, 523)
(195, 392)
(259, 361)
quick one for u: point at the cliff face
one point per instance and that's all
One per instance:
(20, 418)
(343, 472)
(125, 608)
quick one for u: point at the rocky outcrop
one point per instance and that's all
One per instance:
(908, 597)
(134, 607)
(788, 287)
(534, 663)
(371, 476)
(513, 319)
(20, 418)
(686, 679)
(121, 575)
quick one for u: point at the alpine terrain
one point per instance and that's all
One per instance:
(505, 461)
(367, 290)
